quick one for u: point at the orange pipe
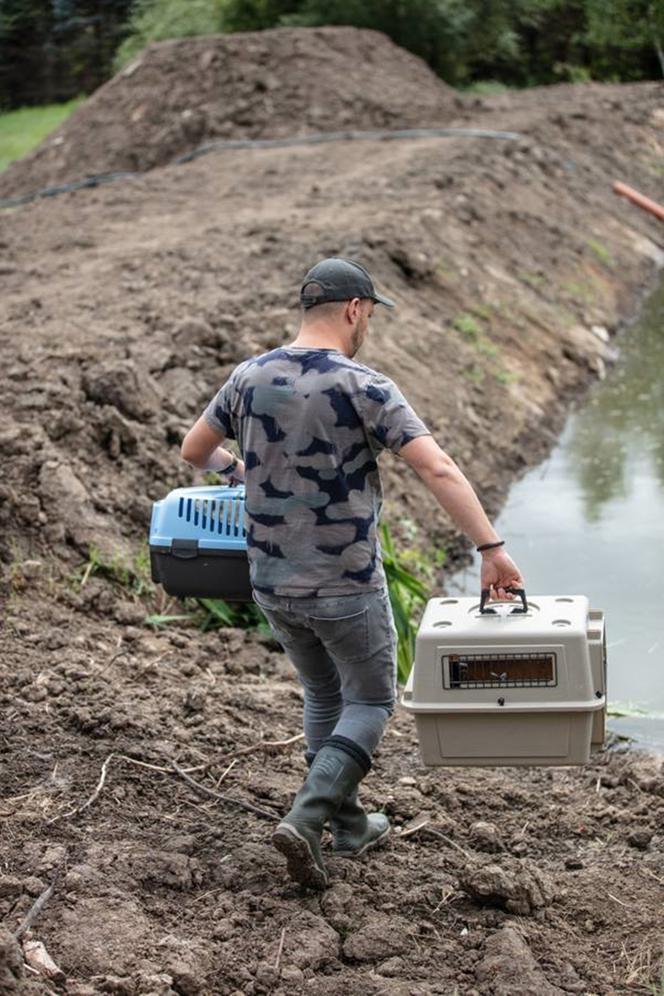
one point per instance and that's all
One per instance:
(636, 198)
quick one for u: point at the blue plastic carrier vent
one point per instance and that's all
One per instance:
(222, 516)
(212, 515)
(198, 543)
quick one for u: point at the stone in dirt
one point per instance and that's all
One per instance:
(382, 937)
(11, 964)
(515, 885)
(485, 837)
(309, 942)
(509, 968)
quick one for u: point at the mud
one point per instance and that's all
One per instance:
(122, 310)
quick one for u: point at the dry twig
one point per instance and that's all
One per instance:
(448, 840)
(277, 960)
(38, 905)
(204, 790)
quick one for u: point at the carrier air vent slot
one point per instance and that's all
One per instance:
(496, 670)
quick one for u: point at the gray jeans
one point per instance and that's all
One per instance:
(344, 651)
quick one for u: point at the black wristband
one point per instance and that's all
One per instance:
(230, 468)
(490, 546)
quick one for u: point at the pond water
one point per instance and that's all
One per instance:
(590, 520)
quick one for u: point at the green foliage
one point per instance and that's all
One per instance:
(134, 578)
(21, 131)
(220, 614)
(490, 43)
(407, 596)
(467, 326)
(52, 51)
(158, 20)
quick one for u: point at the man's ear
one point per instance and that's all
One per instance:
(353, 309)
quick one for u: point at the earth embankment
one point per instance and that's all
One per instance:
(122, 311)
(177, 95)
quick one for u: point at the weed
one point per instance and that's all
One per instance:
(219, 614)
(407, 595)
(505, 377)
(602, 253)
(134, 578)
(486, 347)
(467, 326)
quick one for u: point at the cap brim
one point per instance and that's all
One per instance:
(381, 299)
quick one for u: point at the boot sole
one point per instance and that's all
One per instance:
(301, 863)
(363, 850)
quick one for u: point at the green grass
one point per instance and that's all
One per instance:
(601, 252)
(487, 87)
(467, 326)
(22, 130)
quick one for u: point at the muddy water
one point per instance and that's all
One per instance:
(590, 520)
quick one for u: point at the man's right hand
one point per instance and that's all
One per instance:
(498, 573)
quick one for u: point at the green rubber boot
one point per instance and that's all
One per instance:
(356, 831)
(336, 771)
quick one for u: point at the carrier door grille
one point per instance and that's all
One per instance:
(496, 670)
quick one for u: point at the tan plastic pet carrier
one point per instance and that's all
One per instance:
(506, 683)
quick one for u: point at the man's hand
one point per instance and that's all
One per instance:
(498, 573)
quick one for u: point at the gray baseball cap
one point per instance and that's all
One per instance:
(339, 279)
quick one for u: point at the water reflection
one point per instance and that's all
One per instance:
(590, 519)
(623, 423)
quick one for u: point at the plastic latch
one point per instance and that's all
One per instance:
(184, 549)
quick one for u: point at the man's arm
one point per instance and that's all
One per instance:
(456, 495)
(201, 447)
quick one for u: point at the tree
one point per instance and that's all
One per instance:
(620, 32)
(157, 20)
(52, 50)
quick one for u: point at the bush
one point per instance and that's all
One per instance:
(158, 20)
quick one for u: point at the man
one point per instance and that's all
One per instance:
(310, 422)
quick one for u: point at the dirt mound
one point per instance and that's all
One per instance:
(180, 94)
(122, 310)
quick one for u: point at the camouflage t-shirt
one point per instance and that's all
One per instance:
(310, 424)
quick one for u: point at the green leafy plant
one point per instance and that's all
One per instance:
(467, 326)
(133, 577)
(407, 597)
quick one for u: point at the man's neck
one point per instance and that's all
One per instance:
(319, 338)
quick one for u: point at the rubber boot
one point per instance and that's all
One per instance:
(354, 830)
(336, 771)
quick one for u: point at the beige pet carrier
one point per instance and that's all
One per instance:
(506, 684)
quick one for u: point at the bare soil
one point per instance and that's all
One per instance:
(122, 310)
(180, 94)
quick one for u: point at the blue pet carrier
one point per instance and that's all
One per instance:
(198, 543)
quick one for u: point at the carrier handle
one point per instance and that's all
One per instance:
(521, 592)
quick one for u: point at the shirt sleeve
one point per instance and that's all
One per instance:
(219, 413)
(389, 418)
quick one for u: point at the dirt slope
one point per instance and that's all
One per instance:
(180, 94)
(122, 309)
